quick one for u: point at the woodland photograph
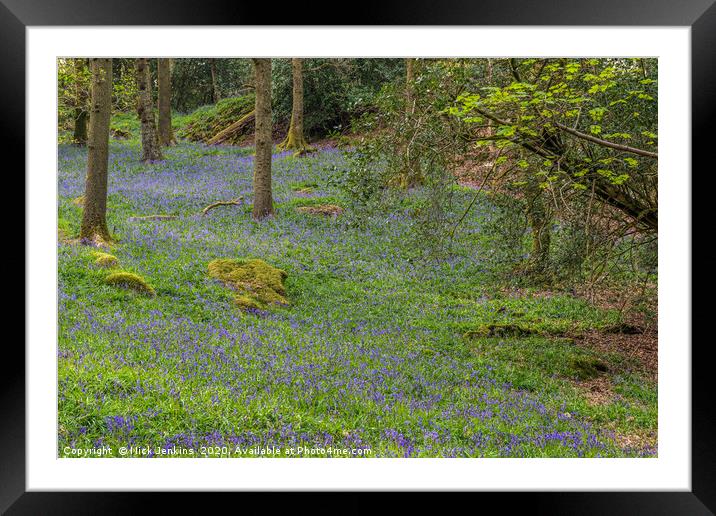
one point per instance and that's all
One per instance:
(357, 257)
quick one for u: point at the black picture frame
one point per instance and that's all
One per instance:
(700, 15)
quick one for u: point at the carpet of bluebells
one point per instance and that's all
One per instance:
(370, 354)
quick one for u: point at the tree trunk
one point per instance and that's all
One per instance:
(151, 151)
(295, 139)
(94, 214)
(263, 201)
(214, 86)
(80, 133)
(166, 134)
(81, 115)
(539, 221)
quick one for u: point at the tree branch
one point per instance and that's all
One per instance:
(605, 143)
(236, 202)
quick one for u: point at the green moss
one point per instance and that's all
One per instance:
(206, 122)
(540, 363)
(585, 367)
(105, 259)
(130, 281)
(257, 283)
(500, 330)
(246, 302)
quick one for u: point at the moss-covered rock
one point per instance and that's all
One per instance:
(257, 284)
(247, 302)
(130, 281)
(105, 260)
(327, 210)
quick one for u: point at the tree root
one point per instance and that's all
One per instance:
(96, 240)
(235, 202)
(304, 151)
(295, 143)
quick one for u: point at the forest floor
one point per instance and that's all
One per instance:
(379, 348)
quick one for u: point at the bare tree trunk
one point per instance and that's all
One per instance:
(214, 85)
(295, 139)
(263, 201)
(166, 134)
(81, 114)
(151, 151)
(94, 214)
(539, 221)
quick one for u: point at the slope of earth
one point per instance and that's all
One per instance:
(369, 354)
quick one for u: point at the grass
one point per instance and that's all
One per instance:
(370, 353)
(557, 369)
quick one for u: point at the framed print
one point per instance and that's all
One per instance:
(421, 253)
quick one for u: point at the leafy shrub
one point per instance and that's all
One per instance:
(192, 84)
(335, 90)
(506, 227)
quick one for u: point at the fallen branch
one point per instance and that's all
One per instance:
(226, 133)
(152, 217)
(234, 202)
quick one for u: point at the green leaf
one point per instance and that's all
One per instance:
(506, 130)
(631, 162)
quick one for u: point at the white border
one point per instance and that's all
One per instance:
(671, 470)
